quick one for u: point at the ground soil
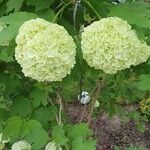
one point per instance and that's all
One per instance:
(110, 132)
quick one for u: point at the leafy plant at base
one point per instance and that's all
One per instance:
(74, 137)
(30, 130)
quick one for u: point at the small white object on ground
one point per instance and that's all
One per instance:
(52, 146)
(84, 98)
(96, 104)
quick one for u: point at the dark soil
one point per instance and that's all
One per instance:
(110, 132)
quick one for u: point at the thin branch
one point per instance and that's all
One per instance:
(75, 12)
(60, 11)
(60, 107)
(98, 16)
(100, 85)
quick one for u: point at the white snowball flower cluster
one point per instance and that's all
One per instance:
(111, 45)
(21, 145)
(45, 51)
(52, 146)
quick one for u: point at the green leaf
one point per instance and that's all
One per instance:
(79, 130)
(17, 18)
(58, 135)
(3, 8)
(14, 21)
(7, 53)
(38, 115)
(13, 128)
(3, 117)
(141, 127)
(39, 96)
(40, 4)
(98, 7)
(70, 88)
(1, 1)
(52, 112)
(7, 34)
(132, 147)
(137, 13)
(47, 14)
(28, 126)
(21, 106)
(144, 82)
(33, 133)
(11, 81)
(134, 115)
(14, 5)
(78, 144)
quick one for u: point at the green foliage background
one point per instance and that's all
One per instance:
(28, 109)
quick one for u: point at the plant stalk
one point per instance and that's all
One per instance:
(99, 86)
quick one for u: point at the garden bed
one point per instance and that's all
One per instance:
(110, 132)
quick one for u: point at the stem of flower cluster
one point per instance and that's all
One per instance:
(60, 11)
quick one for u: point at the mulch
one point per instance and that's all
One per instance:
(110, 131)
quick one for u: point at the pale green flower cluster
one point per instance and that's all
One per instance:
(111, 45)
(52, 146)
(21, 145)
(45, 51)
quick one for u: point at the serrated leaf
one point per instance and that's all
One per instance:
(40, 4)
(78, 144)
(39, 96)
(132, 147)
(33, 133)
(58, 135)
(14, 5)
(21, 106)
(137, 13)
(144, 82)
(134, 115)
(79, 130)
(13, 128)
(141, 127)
(52, 111)
(13, 22)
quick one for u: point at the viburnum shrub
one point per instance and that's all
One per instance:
(55, 52)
